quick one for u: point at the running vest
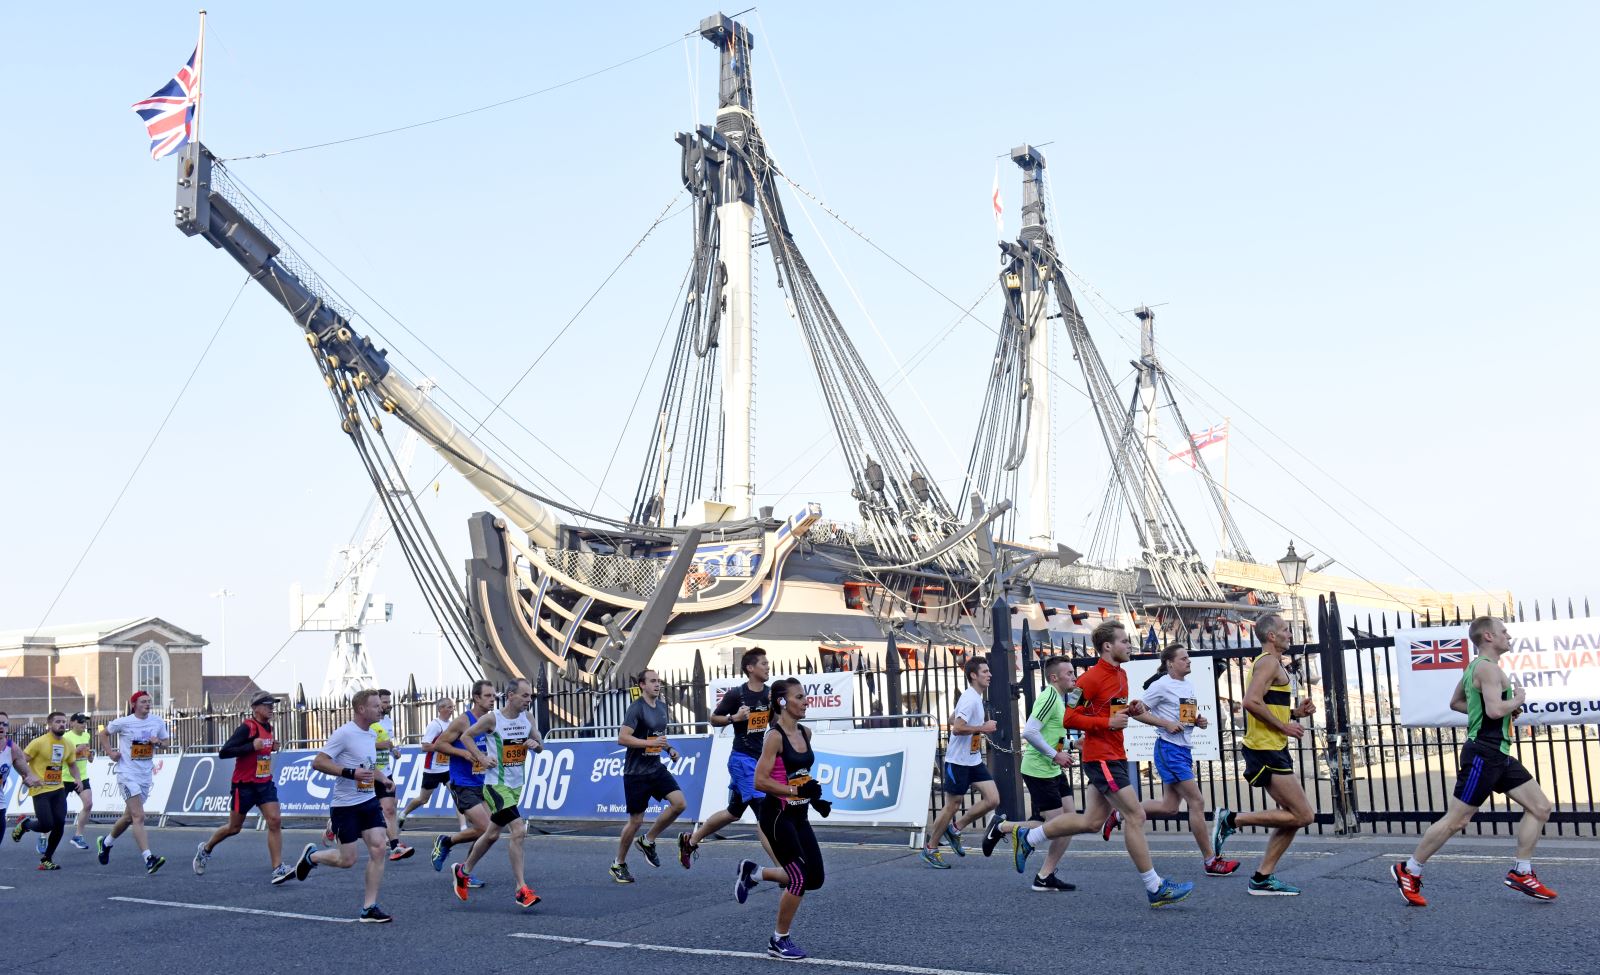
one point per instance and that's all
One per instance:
(384, 733)
(1492, 733)
(463, 772)
(508, 742)
(792, 767)
(1257, 734)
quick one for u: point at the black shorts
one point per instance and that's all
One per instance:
(1486, 770)
(1107, 775)
(381, 791)
(1260, 766)
(1047, 794)
(349, 822)
(432, 780)
(252, 795)
(959, 779)
(81, 786)
(502, 803)
(640, 789)
(466, 796)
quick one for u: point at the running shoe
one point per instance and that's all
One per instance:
(154, 863)
(1051, 883)
(42, 845)
(1529, 884)
(304, 866)
(619, 873)
(473, 882)
(1272, 887)
(686, 850)
(1218, 867)
(400, 851)
(1410, 885)
(280, 873)
(1110, 825)
(934, 859)
(374, 915)
(441, 850)
(747, 880)
(79, 842)
(1220, 831)
(17, 830)
(526, 897)
(953, 837)
(784, 948)
(49, 865)
(991, 837)
(649, 851)
(1171, 893)
(1020, 849)
(201, 857)
(400, 824)
(459, 881)
(101, 850)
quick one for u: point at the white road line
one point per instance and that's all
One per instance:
(870, 966)
(235, 910)
(1502, 858)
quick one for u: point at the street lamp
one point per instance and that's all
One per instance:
(223, 595)
(1293, 569)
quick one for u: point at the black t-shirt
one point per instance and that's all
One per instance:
(747, 735)
(646, 722)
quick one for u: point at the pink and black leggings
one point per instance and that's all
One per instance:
(789, 831)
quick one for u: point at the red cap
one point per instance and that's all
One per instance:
(133, 701)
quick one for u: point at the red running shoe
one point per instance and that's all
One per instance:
(1218, 867)
(1529, 884)
(1112, 822)
(1410, 885)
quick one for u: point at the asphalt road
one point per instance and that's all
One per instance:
(881, 910)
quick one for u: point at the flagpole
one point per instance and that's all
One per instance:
(199, 78)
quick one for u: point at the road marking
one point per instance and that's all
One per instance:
(235, 910)
(1502, 858)
(870, 966)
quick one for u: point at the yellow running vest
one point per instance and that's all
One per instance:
(1257, 734)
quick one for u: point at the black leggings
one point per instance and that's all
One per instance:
(794, 844)
(49, 817)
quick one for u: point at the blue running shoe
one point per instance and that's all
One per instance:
(953, 837)
(1020, 849)
(1170, 893)
(784, 948)
(441, 850)
(934, 859)
(79, 842)
(1221, 830)
(473, 882)
(749, 876)
(1272, 887)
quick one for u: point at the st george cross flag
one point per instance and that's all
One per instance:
(1439, 654)
(169, 114)
(1215, 434)
(999, 208)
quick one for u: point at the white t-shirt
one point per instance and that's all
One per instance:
(967, 749)
(351, 747)
(135, 738)
(436, 761)
(1171, 699)
(5, 760)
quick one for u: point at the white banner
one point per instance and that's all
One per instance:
(1140, 739)
(873, 777)
(1557, 662)
(828, 696)
(102, 779)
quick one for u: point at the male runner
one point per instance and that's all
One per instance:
(746, 708)
(1491, 703)
(78, 735)
(45, 758)
(1101, 714)
(963, 768)
(351, 755)
(387, 750)
(251, 746)
(644, 777)
(466, 775)
(435, 764)
(1044, 766)
(509, 732)
(1270, 721)
(138, 734)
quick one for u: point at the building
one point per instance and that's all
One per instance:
(96, 666)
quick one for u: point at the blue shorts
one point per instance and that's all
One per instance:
(1174, 763)
(742, 790)
(959, 779)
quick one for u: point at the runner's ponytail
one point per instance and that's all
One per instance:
(1167, 654)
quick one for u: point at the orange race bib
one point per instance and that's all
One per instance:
(141, 751)
(263, 765)
(1188, 710)
(652, 749)
(977, 742)
(52, 774)
(758, 720)
(797, 780)
(364, 786)
(1118, 706)
(516, 752)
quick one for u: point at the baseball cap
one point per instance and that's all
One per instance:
(80, 716)
(263, 698)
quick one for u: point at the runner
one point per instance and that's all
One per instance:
(509, 733)
(466, 775)
(1044, 766)
(644, 777)
(78, 735)
(1491, 703)
(1101, 713)
(784, 775)
(44, 759)
(387, 749)
(963, 768)
(745, 708)
(138, 735)
(1174, 709)
(436, 764)
(351, 756)
(11, 757)
(1269, 722)
(251, 746)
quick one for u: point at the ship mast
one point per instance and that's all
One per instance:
(1039, 530)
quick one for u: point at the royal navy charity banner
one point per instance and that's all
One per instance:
(1557, 662)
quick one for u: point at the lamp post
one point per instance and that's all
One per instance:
(1293, 569)
(223, 595)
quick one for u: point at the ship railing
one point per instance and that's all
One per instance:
(1080, 576)
(635, 577)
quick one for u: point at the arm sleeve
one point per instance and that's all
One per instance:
(1032, 733)
(239, 743)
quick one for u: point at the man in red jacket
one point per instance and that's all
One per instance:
(1101, 714)
(251, 746)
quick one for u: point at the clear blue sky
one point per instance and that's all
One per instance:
(1373, 226)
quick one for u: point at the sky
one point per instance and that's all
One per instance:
(1368, 231)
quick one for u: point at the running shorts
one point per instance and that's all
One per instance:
(1174, 763)
(502, 803)
(1260, 766)
(640, 789)
(959, 779)
(1486, 770)
(466, 796)
(252, 795)
(349, 822)
(742, 792)
(130, 787)
(1107, 776)
(1047, 794)
(381, 791)
(432, 780)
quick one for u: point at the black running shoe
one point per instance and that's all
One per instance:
(992, 838)
(1052, 883)
(649, 851)
(304, 866)
(375, 915)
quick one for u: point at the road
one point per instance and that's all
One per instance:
(881, 910)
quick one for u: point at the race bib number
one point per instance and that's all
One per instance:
(515, 753)
(263, 765)
(653, 749)
(977, 742)
(1188, 710)
(364, 786)
(797, 780)
(52, 774)
(758, 721)
(141, 751)
(1118, 705)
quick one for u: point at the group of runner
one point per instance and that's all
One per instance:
(481, 755)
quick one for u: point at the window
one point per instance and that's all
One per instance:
(150, 673)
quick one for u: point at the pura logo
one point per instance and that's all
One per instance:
(861, 783)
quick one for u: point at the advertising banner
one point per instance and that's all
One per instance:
(1557, 662)
(873, 777)
(1140, 739)
(828, 696)
(102, 779)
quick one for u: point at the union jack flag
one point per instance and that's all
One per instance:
(1214, 434)
(1439, 654)
(169, 113)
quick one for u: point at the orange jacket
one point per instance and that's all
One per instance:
(1105, 692)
